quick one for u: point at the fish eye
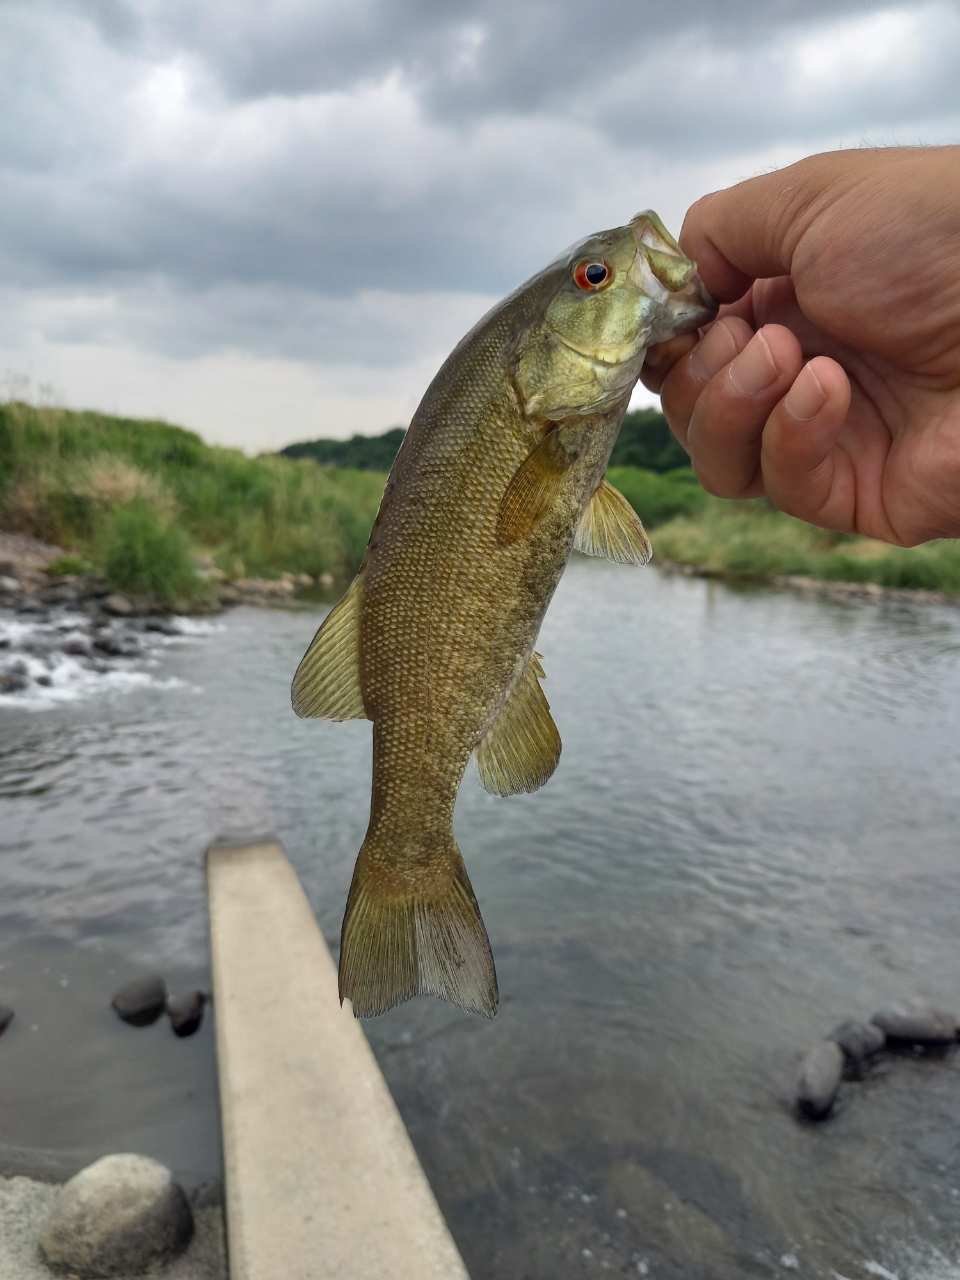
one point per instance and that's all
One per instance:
(592, 274)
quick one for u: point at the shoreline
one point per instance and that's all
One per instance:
(835, 589)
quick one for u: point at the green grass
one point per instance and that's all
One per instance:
(752, 540)
(65, 476)
(137, 500)
(143, 554)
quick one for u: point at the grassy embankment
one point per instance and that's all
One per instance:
(139, 500)
(752, 539)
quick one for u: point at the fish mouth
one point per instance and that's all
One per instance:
(663, 272)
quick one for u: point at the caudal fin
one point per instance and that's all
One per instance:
(424, 939)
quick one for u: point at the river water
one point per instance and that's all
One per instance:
(752, 835)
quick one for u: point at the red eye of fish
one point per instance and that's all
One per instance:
(592, 274)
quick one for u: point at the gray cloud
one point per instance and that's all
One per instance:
(203, 175)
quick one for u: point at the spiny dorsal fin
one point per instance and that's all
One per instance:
(520, 751)
(533, 490)
(327, 683)
(611, 528)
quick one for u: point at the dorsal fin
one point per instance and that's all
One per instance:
(610, 527)
(327, 683)
(521, 749)
(533, 490)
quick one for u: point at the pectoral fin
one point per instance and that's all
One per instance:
(521, 749)
(611, 528)
(533, 490)
(327, 683)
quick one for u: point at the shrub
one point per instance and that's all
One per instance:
(144, 556)
(658, 497)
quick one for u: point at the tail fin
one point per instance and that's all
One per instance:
(421, 939)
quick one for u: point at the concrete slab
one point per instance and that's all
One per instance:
(322, 1181)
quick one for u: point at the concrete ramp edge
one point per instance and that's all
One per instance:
(321, 1177)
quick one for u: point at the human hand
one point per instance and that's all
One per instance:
(831, 381)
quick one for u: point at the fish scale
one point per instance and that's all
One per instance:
(499, 476)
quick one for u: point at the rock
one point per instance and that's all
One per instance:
(78, 645)
(142, 1001)
(8, 584)
(304, 580)
(118, 605)
(916, 1022)
(6, 1017)
(118, 1216)
(186, 1012)
(107, 642)
(819, 1079)
(325, 580)
(14, 679)
(858, 1040)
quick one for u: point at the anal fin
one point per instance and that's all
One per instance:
(533, 490)
(521, 749)
(327, 683)
(610, 527)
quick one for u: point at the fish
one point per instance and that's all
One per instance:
(499, 477)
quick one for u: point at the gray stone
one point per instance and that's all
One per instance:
(6, 1017)
(142, 1001)
(186, 1012)
(118, 605)
(118, 1216)
(78, 645)
(916, 1022)
(858, 1040)
(819, 1079)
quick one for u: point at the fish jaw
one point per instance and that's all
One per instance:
(584, 352)
(676, 298)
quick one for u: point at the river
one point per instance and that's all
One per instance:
(752, 835)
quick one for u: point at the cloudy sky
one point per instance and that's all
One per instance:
(271, 221)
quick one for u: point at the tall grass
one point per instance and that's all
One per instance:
(144, 555)
(64, 474)
(751, 539)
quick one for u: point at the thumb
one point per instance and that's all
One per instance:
(751, 231)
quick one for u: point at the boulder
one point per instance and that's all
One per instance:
(916, 1022)
(142, 1001)
(118, 1216)
(858, 1040)
(6, 1017)
(186, 1012)
(118, 605)
(819, 1079)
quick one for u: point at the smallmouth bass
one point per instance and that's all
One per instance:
(499, 477)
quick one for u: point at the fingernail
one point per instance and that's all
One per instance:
(712, 353)
(753, 370)
(806, 397)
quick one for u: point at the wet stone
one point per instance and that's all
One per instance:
(118, 605)
(6, 1017)
(142, 1001)
(858, 1040)
(819, 1079)
(108, 643)
(118, 1216)
(186, 1012)
(78, 645)
(916, 1022)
